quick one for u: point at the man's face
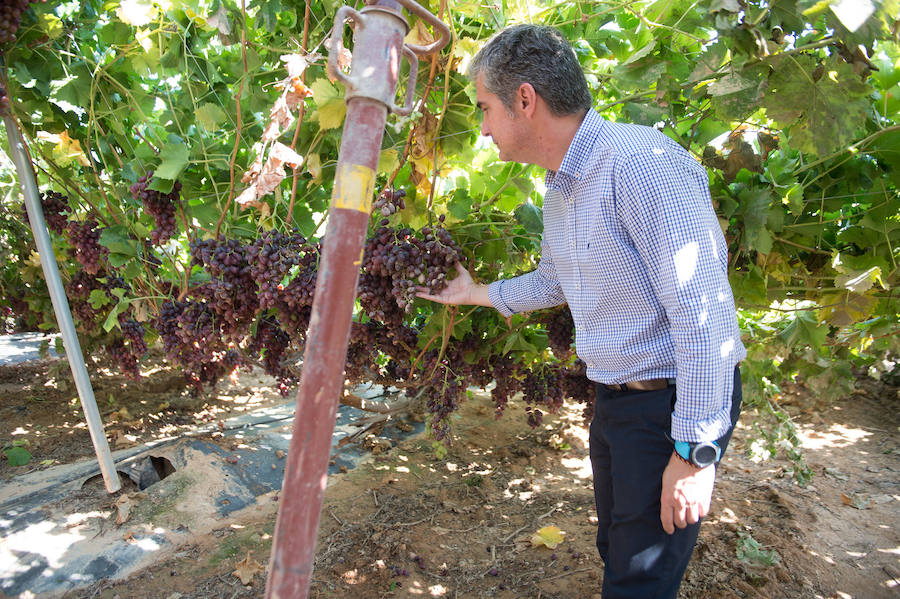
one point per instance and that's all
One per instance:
(508, 131)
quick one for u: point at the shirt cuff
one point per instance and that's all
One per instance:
(495, 294)
(698, 431)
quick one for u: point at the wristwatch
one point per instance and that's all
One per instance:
(700, 455)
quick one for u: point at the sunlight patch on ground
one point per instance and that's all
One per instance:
(580, 467)
(38, 538)
(835, 437)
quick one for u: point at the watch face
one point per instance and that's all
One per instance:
(704, 455)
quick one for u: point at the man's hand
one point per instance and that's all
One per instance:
(461, 290)
(686, 493)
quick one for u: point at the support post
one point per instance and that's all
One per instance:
(61, 305)
(371, 87)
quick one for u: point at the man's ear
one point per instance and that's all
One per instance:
(526, 98)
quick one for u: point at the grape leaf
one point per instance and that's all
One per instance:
(210, 116)
(805, 329)
(821, 114)
(174, 160)
(530, 217)
(330, 102)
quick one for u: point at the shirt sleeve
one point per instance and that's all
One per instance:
(537, 289)
(664, 204)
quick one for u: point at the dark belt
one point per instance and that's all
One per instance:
(649, 385)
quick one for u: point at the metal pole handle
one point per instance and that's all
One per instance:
(334, 51)
(438, 25)
(410, 87)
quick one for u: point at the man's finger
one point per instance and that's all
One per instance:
(460, 268)
(665, 516)
(692, 514)
(678, 513)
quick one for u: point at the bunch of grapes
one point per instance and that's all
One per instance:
(580, 388)
(231, 291)
(10, 16)
(361, 351)
(78, 291)
(55, 207)
(390, 201)
(542, 387)
(270, 343)
(398, 257)
(463, 354)
(124, 357)
(191, 334)
(4, 101)
(443, 391)
(85, 238)
(160, 206)
(133, 332)
(376, 298)
(560, 332)
(505, 373)
(284, 268)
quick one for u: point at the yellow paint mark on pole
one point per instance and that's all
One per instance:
(354, 185)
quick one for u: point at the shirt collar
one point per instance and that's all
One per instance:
(580, 148)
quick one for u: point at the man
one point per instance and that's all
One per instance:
(632, 244)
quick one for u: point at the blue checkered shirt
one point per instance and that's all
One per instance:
(632, 243)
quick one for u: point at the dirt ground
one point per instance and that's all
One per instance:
(408, 523)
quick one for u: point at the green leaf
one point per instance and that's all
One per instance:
(112, 320)
(210, 116)
(531, 217)
(330, 102)
(388, 160)
(17, 456)
(460, 204)
(174, 159)
(518, 342)
(98, 299)
(804, 330)
(822, 115)
(51, 25)
(116, 240)
(755, 207)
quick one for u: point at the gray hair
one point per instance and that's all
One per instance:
(538, 55)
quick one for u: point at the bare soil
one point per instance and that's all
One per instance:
(408, 523)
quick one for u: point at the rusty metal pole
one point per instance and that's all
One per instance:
(371, 87)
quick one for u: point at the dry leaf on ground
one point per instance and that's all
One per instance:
(548, 536)
(247, 568)
(124, 505)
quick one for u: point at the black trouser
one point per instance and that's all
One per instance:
(630, 448)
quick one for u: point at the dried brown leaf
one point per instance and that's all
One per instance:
(248, 197)
(285, 155)
(295, 64)
(246, 569)
(124, 505)
(270, 177)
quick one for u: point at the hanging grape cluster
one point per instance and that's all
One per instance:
(560, 332)
(56, 211)
(396, 261)
(84, 237)
(161, 206)
(389, 202)
(10, 16)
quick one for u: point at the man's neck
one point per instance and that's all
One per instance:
(554, 138)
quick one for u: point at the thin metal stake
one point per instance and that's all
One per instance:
(61, 305)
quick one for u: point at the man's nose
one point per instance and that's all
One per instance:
(484, 129)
